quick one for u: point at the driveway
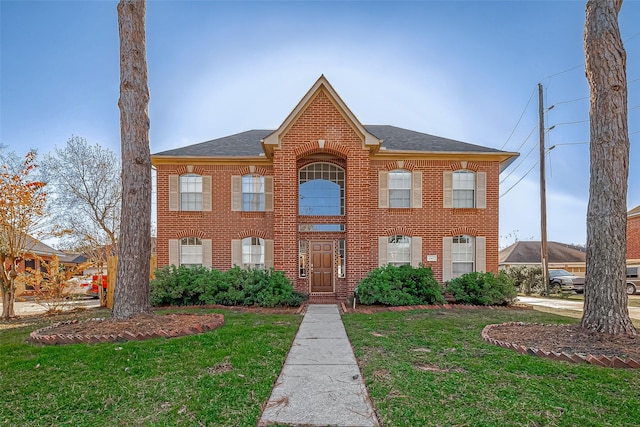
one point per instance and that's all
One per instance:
(26, 308)
(634, 312)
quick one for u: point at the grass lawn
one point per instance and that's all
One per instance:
(220, 378)
(432, 368)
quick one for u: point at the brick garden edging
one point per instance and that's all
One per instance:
(605, 361)
(40, 336)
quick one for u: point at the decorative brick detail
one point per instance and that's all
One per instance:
(464, 231)
(257, 170)
(190, 233)
(398, 231)
(253, 233)
(601, 360)
(40, 336)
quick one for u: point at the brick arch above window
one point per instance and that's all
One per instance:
(463, 231)
(252, 170)
(471, 166)
(399, 231)
(194, 169)
(190, 233)
(401, 164)
(322, 146)
(252, 233)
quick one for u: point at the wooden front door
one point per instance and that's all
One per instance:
(321, 266)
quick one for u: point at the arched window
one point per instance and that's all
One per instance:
(253, 253)
(399, 250)
(252, 193)
(191, 251)
(399, 189)
(464, 189)
(190, 192)
(462, 255)
(321, 190)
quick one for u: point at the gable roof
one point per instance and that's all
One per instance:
(390, 139)
(529, 253)
(634, 212)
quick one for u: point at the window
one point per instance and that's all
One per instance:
(303, 249)
(463, 189)
(190, 192)
(399, 250)
(462, 254)
(341, 258)
(191, 252)
(253, 253)
(321, 190)
(253, 193)
(399, 189)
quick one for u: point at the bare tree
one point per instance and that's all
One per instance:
(132, 281)
(85, 193)
(605, 302)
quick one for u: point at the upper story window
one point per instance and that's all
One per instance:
(253, 253)
(399, 189)
(191, 251)
(321, 190)
(252, 193)
(190, 192)
(462, 255)
(464, 189)
(399, 250)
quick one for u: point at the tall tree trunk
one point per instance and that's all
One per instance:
(132, 281)
(605, 301)
(8, 287)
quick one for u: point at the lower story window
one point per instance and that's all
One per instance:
(191, 252)
(462, 251)
(399, 250)
(303, 250)
(253, 253)
(341, 258)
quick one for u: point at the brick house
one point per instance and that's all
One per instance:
(633, 235)
(327, 199)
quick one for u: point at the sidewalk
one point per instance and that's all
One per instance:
(26, 308)
(634, 312)
(320, 383)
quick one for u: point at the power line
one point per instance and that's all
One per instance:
(521, 116)
(521, 178)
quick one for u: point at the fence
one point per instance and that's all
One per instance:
(112, 268)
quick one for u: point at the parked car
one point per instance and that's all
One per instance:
(566, 281)
(633, 279)
(86, 285)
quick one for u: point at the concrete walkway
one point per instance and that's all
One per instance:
(320, 383)
(634, 312)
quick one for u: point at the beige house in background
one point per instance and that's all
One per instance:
(567, 257)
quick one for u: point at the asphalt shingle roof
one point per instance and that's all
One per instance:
(394, 138)
(529, 253)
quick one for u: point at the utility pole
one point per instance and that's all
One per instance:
(543, 198)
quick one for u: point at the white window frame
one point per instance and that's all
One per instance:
(191, 192)
(253, 194)
(399, 188)
(399, 250)
(463, 255)
(464, 189)
(191, 251)
(253, 253)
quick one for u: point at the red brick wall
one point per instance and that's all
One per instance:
(365, 222)
(633, 237)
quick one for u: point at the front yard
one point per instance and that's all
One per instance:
(421, 368)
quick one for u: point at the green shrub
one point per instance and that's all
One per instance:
(482, 289)
(198, 285)
(404, 285)
(527, 280)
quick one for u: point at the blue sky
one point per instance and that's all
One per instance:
(465, 70)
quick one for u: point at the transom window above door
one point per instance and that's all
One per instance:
(321, 190)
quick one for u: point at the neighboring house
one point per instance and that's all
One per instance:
(567, 257)
(35, 252)
(327, 199)
(633, 236)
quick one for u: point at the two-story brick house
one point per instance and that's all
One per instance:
(327, 199)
